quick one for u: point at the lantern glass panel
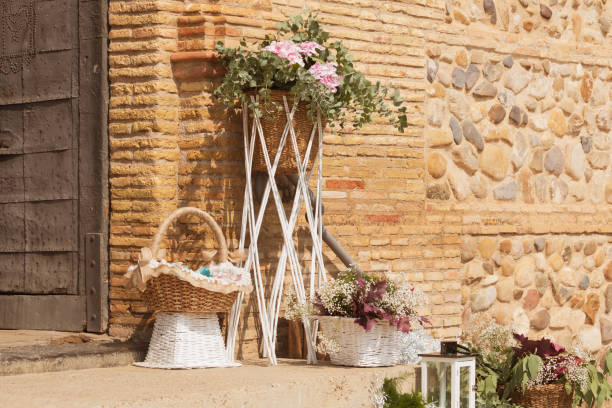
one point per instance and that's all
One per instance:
(464, 380)
(439, 384)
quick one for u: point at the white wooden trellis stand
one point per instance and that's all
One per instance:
(269, 312)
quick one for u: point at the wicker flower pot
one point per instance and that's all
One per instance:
(543, 396)
(357, 348)
(273, 124)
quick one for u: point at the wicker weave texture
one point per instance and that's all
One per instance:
(273, 125)
(167, 293)
(357, 348)
(186, 340)
(170, 294)
(543, 396)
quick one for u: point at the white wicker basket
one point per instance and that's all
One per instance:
(186, 340)
(377, 348)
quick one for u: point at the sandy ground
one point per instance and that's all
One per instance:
(290, 384)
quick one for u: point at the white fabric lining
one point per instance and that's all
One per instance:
(226, 278)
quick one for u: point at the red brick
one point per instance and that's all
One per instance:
(383, 218)
(344, 184)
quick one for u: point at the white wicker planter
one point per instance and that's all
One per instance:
(377, 348)
(186, 340)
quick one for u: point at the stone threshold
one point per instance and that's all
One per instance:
(40, 355)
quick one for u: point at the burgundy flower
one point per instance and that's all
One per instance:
(543, 347)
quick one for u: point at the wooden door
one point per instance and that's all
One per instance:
(52, 164)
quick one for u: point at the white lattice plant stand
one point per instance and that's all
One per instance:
(187, 340)
(252, 219)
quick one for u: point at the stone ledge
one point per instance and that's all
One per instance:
(193, 65)
(208, 56)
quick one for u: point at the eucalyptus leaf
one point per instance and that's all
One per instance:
(533, 364)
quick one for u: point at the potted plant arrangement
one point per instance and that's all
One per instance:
(301, 64)
(514, 371)
(362, 318)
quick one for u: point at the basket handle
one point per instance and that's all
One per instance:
(163, 228)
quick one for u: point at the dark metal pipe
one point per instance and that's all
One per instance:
(332, 243)
(339, 250)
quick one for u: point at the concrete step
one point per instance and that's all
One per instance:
(290, 384)
(41, 358)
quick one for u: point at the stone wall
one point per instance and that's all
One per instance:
(518, 141)
(509, 111)
(555, 285)
(529, 131)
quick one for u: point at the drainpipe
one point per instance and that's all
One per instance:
(332, 243)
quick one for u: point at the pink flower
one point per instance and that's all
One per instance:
(310, 48)
(286, 49)
(326, 74)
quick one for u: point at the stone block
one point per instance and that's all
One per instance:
(606, 330)
(486, 247)
(540, 320)
(516, 79)
(591, 307)
(559, 317)
(468, 250)
(465, 157)
(483, 299)
(531, 299)
(505, 287)
(436, 165)
(590, 338)
(494, 162)
(524, 272)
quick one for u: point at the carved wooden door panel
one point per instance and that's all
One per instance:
(49, 181)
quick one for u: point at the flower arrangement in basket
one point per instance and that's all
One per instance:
(301, 65)
(514, 371)
(362, 318)
(174, 287)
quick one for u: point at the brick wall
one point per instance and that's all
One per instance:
(173, 145)
(143, 131)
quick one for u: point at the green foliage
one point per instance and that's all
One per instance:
(356, 100)
(395, 399)
(493, 370)
(493, 401)
(350, 275)
(502, 370)
(524, 370)
(597, 390)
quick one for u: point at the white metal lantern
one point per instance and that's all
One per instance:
(437, 369)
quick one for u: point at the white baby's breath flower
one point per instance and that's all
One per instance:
(327, 345)
(337, 296)
(491, 338)
(297, 311)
